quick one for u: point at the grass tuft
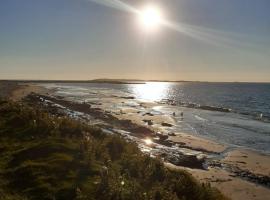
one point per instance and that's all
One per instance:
(47, 157)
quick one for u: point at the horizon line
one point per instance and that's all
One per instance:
(123, 80)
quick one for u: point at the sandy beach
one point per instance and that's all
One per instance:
(236, 172)
(232, 187)
(17, 90)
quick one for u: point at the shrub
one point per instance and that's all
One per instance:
(46, 157)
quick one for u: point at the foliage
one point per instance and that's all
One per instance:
(48, 157)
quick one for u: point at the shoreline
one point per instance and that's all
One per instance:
(240, 159)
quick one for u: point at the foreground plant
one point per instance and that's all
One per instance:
(48, 157)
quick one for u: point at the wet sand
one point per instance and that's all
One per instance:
(226, 173)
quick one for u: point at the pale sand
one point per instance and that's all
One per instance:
(198, 143)
(232, 187)
(254, 162)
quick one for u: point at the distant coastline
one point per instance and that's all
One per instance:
(122, 81)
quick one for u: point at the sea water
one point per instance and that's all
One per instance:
(236, 114)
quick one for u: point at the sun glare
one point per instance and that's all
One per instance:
(150, 17)
(148, 141)
(151, 91)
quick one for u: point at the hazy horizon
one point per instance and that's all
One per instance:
(213, 41)
(126, 80)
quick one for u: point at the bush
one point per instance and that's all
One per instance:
(47, 157)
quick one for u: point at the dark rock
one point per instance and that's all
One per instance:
(162, 137)
(127, 97)
(190, 161)
(167, 143)
(212, 108)
(166, 124)
(148, 113)
(149, 122)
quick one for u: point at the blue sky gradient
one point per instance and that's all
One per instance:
(81, 39)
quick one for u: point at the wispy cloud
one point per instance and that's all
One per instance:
(207, 35)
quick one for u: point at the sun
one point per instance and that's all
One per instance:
(150, 17)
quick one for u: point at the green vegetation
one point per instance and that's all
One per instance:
(48, 157)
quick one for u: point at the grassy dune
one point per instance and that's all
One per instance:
(47, 157)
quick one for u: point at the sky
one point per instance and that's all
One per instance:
(202, 40)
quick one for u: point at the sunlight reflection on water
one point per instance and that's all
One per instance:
(151, 91)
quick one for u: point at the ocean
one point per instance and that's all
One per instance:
(235, 114)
